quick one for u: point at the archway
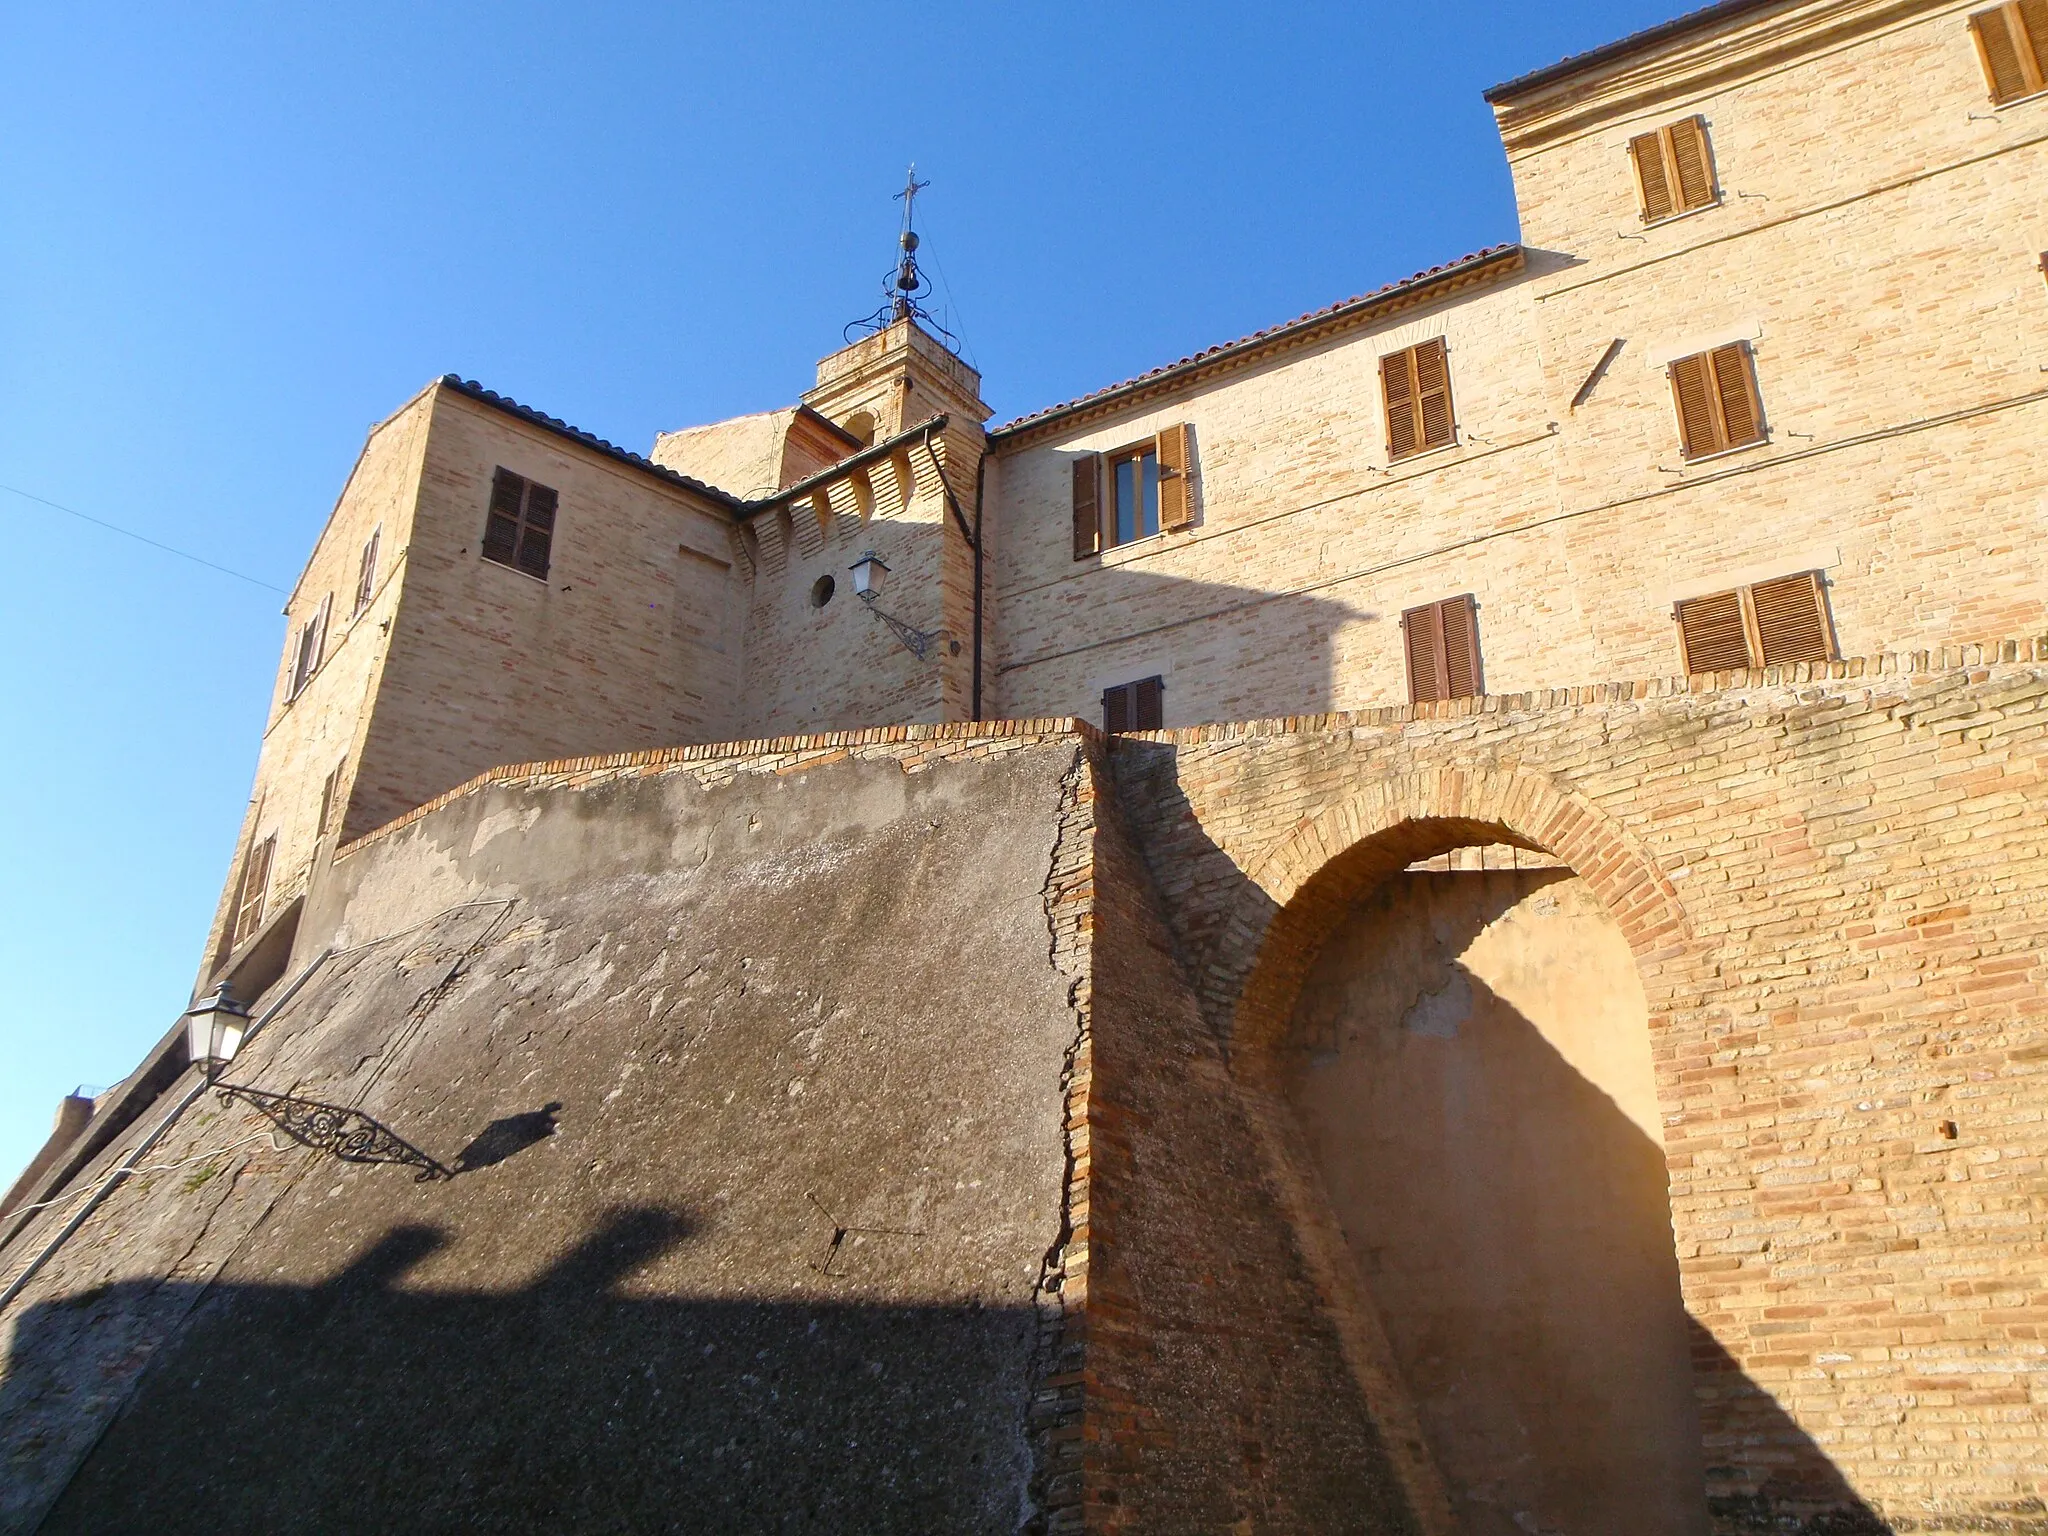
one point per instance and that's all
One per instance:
(1459, 1046)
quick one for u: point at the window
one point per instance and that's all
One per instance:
(1674, 169)
(1139, 706)
(2012, 44)
(366, 572)
(255, 887)
(312, 642)
(1147, 491)
(1718, 406)
(327, 805)
(1442, 641)
(521, 525)
(1416, 385)
(1776, 621)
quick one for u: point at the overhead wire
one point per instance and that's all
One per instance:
(130, 533)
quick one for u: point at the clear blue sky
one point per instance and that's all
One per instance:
(232, 238)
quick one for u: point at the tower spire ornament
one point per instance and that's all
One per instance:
(906, 287)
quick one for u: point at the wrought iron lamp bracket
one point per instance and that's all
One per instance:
(348, 1134)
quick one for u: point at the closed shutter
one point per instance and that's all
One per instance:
(1087, 507)
(1690, 385)
(2011, 40)
(1647, 150)
(1711, 636)
(1735, 393)
(255, 886)
(1397, 385)
(1417, 387)
(501, 528)
(1791, 619)
(1176, 497)
(538, 536)
(1116, 709)
(1691, 163)
(1423, 638)
(1459, 617)
(1148, 704)
(1433, 392)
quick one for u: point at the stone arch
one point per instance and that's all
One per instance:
(1297, 894)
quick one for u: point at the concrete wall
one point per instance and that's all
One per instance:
(1471, 1064)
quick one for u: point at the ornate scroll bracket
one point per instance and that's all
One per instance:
(349, 1134)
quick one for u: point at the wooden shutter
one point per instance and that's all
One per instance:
(501, 527)
(1691, 163)
(1711, 636)
(1647, 150)
(1690, 385)
(2011, 39)
(1433, 392)
(320, 632)
(1791, 619)
(1148, 704)
(1116, 708)
(1087, 506)
(327, 788)
(1459, 620)
(366, 571)
(1735, 395)
(255, 886)
(1422, 632)
(1397, 385)
(1176, 495)
(538, 535)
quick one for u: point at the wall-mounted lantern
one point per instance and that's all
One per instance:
(214, 1030)
(868, 572)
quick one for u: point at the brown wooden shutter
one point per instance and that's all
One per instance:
(1433, 393)
(501, 527)
(255, 886)
(1116, 708)
(1087, 507)
(1459, 618)
(1176, 497)
(1711, 636)
(1647, 149)
(1422, 631)
(2010, 42)
(1148, 704)
(1691, 386)
(320, 631)
(537, 538)
(327, 789)
(1735, 393)
(366, 571)
(1791, 619)
(1397, 385)
(1692, 163)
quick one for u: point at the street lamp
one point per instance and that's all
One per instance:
(214, 1031)
(868, 572)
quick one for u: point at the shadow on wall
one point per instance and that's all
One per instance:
(1508, 1217)
(576, 1403)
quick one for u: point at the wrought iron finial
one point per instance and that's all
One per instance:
(906, 288)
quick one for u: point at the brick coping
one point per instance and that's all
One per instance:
(1924, 663)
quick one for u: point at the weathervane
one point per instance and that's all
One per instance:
(906, 288)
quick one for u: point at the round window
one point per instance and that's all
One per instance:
(821, 591)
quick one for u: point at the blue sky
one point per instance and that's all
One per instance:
(233, 237)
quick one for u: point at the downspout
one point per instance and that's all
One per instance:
(973, 538)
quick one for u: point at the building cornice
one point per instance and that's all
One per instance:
(1481, 268)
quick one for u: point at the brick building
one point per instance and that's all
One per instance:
(1571, 1104)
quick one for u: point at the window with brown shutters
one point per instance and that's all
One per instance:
(1768, 624)
(520, 528)
(1138, 706)
(366, 571)
(1416, 387)
(1133, 493)
(1442, 643)
(328, 788)
(2012, 45)
(1716, 396)
(255, 888)
(1675, 169)
(312, 644)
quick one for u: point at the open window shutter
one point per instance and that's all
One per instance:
(2031, 39)
(501, 527)
(2011, 62)
(1693, 162)
(366, 572)
(1689, 385)
(1460, 624)
(320, 631)
(1176, 498)
(1433, 393)
(536, 539)
(1087, 510)
(1735, 388)
(1422, 631)
(1791, 619)
(1710, 633)
(1397, 384)
(255, 884)
(1647, 149)
(1116, 708)
(1148, 704)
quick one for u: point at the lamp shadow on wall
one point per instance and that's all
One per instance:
(1509, 1218)
(588, 1399)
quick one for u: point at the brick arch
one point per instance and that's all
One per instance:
(1299, 892)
